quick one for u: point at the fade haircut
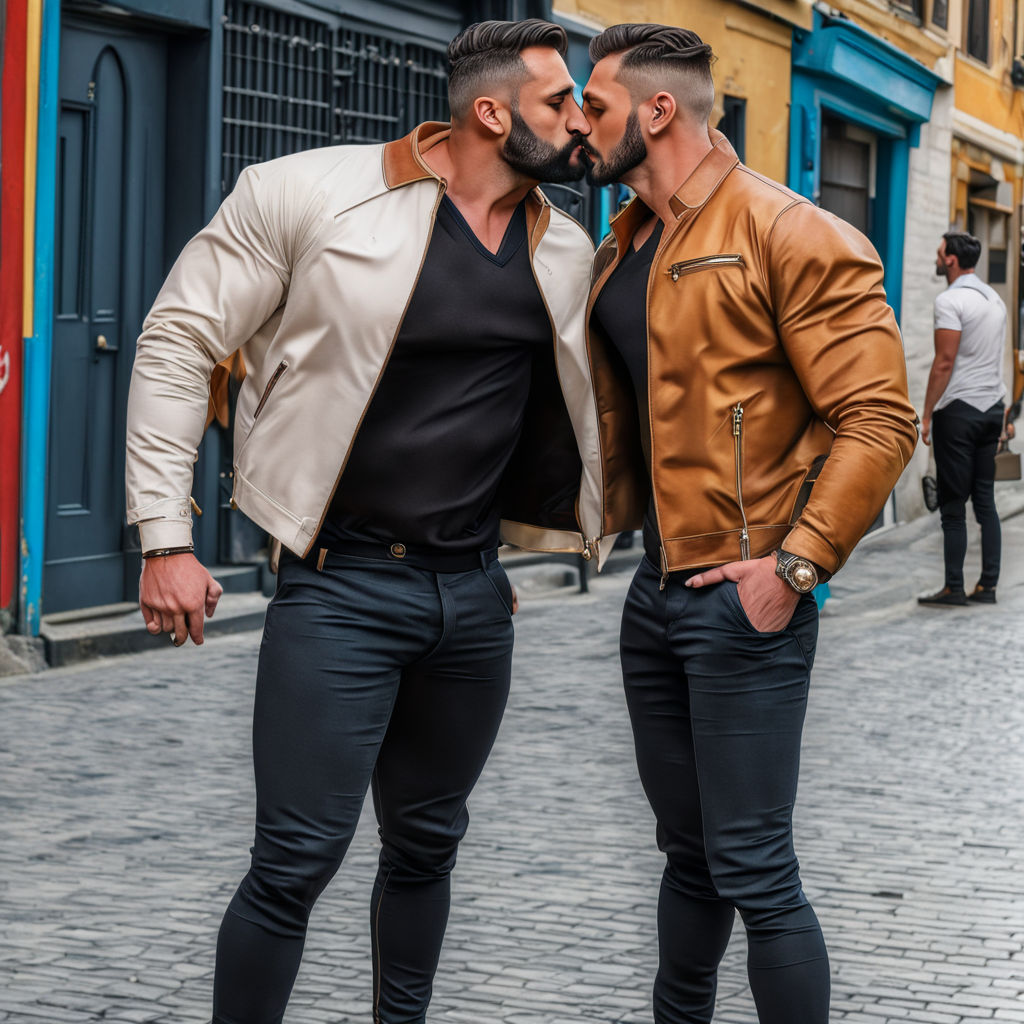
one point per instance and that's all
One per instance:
(487, 54)
(966, 248)
(661, 57)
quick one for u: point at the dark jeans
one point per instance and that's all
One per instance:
(717, 710)
(371, 672)
(965, 442)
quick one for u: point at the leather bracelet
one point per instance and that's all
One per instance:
(160, 552)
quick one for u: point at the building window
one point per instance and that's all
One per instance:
(293, 83)
(911, 7)
(847, 171)
(940, 13)
(977, 29)
(734, 124)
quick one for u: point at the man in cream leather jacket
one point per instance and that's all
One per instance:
(743, 350)
(411, 318)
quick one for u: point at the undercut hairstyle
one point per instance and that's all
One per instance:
(488, 54)
(966, 248)
(661, 58)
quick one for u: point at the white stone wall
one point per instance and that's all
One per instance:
(928, 193)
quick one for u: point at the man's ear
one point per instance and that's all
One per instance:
(661, 111)
(492, 114)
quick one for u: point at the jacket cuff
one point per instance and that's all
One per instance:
(164, 524)
(807, 544)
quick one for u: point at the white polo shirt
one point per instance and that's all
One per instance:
(974, 309)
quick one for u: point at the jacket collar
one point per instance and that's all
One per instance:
(404, 164)
(705, 178)
(698, 188)
(403, 158)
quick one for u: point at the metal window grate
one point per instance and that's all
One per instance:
(293, 83)
(384, 87)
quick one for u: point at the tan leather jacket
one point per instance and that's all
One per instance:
(773, 359)
(308, 268)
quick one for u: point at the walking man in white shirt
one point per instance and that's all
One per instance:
(963, 415)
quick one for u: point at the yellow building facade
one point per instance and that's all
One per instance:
(752, 43)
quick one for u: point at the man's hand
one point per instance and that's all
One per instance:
(174, 593)
(926, 429)
(768, 601)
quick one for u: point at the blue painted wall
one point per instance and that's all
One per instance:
(840, 68)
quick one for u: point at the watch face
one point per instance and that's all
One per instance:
(802, 575)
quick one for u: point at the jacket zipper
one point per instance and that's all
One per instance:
(271, 384)
(442, 186)
(737, 433)
(666, 237)
(687, 266)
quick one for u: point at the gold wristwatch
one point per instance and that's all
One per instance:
(798, 572)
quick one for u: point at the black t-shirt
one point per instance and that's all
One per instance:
(427, 462)
(621, 314)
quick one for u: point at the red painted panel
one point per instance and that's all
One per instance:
(12, 192)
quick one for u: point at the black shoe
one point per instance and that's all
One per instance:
(946, 597)
(983, 595)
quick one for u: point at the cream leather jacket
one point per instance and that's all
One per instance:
(308, 268)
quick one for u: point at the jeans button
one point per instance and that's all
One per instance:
(398, 550)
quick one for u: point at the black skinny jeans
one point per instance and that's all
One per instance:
(717, 710)
(965, 442)
(371, 671)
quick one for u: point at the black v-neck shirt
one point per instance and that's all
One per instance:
(621, 313)
(427, 462)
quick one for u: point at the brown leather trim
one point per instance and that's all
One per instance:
(704, 180)
(538, 216)
(718, 548)
(402, 160)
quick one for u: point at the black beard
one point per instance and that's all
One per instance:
(534, 158)
(628, 153)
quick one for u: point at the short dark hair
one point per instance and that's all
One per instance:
(661, 57)
(966, 248)
(489, 52)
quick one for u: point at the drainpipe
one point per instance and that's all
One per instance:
(43, 47)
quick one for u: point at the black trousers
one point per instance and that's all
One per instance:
(371, 672)
(965, 442)
(717, 710)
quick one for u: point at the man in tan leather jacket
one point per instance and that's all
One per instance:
(411, 318)
(743, 351)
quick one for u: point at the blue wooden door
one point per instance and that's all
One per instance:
(108, 266)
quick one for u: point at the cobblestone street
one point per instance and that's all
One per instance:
(126, 802)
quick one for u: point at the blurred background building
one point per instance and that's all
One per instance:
(125, 122)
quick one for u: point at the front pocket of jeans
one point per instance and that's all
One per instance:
(506, 584)
(732, 597)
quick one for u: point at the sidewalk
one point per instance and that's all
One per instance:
(127, 789)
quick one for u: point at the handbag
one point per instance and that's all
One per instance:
(1007, 462)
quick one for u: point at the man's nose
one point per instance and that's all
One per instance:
(577, 123)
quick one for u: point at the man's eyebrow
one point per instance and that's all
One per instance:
(562, 92)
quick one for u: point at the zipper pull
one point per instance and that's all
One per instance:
(744, 545)
(588, 551)
(195, 506)
(674, 271)
(737, 420)
(664, 571)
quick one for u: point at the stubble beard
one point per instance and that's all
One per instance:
(629, 152)
(531, 156)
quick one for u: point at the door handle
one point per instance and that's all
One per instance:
(102, 345)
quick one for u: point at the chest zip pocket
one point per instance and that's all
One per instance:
(731, 259)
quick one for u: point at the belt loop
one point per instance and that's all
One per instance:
(320, 560)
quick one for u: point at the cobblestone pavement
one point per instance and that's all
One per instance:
(126, 797)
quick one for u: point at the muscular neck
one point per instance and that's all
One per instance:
(480, 183)
(670, 161)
